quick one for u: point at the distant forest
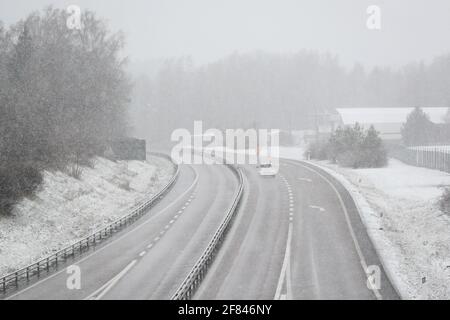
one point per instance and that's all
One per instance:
(277, 91)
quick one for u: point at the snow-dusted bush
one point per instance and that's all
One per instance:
(352, 147)
(444, 201)
(318, 150)
(358, 148)
(373, 153)
(17, 182)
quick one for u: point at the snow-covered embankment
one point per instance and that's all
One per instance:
(399, 205)
(66, 209)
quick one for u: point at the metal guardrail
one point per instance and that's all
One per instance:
(189, 286)
(51, 262)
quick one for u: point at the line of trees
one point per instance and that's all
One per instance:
(63, 96)
(279, 90)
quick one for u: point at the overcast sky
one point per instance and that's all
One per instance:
(210, 29)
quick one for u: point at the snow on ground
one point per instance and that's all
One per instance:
(292, 153)
(65, 209)
(399, 206)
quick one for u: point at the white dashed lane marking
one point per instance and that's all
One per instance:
(167, 227)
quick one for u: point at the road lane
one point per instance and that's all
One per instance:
(325, 264)
(249, 263)
(292, 240)
(164, 268)
(171, 235)
(343, 251)
(92, 276)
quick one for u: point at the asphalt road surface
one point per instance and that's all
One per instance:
(151, 258)
(296, 236)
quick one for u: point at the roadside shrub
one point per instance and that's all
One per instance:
(29, 180)
(8, 191)
(358, 148)
(444, 201)
(317, 150)
(350, 159)
(372, 153)
(352, 147)
(344, 141)
(17, 182)
(75, 171)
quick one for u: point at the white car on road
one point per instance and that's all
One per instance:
(267, 170)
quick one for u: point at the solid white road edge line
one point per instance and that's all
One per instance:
(285, 269)
(97, 295)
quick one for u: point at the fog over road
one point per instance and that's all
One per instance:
(296, 236)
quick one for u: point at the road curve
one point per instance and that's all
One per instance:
(151, 258)
(297, 236)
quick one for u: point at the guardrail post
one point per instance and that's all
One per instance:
(4, 285)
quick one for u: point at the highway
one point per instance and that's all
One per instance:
(296, 236)
(150, 259)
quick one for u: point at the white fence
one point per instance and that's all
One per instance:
(432, 157)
